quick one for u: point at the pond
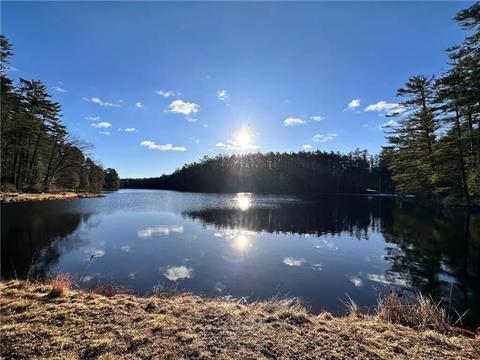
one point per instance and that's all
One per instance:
(250, 246)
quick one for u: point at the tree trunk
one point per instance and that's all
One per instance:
(466, 194)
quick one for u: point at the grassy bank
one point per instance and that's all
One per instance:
(64, 195)
(37, 322)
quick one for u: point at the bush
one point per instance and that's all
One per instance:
(9, 188)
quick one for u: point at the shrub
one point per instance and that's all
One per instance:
(9, 188)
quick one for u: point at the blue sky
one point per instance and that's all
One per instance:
(155, 85)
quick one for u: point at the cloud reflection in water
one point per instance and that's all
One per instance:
(175, 273)
(159, 230)
(291, 261)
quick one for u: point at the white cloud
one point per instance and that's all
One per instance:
(105, 133)
(165, 230)
(233, 144)
(388, 124)
(291, 261)
(162, 147)
(92, 118)
(205, 125)
(101, 125)
(175, 273)
(355, 103)
(128, 129)
(384, 107)
(100, 102)
(322, 138)
(139, 105)
(166, 93)
(192, 119)
(222, 95)
(59, 89)
(291, 121)
(306, 146)
(317, 118)
(181, 107)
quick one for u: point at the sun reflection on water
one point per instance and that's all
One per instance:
(241, 242)
(243, 201)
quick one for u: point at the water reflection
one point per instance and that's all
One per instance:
(330, 215)
(291, 261)
(241, 239)
(250, 245)
(175, 273)
(242, 243)
(243, 201)
(34, 237)
(430, 252)
(151, 231)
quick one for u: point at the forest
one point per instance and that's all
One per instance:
(38, 152)
(432, 151)
(434, 144)
(280, 173)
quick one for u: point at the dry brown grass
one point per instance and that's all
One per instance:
(419, 312)
(184, 326)
(60, 286)
(109, 290)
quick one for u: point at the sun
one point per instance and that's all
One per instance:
(243, 138)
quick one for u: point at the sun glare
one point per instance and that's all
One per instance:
(244, 201)
(242, 243)
(244, 138)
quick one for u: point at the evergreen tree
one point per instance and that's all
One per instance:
(37, 151)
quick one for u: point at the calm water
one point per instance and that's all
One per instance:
(251, 246)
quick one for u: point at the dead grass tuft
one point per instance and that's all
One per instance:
(352, 307)
(60, 286)
(419, 312)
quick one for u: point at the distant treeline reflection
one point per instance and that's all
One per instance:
(32, 245)
(432, 249)
(331, 215)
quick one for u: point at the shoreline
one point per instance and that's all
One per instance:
(38, 322)
(63, 195)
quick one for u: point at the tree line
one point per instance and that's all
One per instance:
(282, 173)
(434, 145)
(38, 152)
